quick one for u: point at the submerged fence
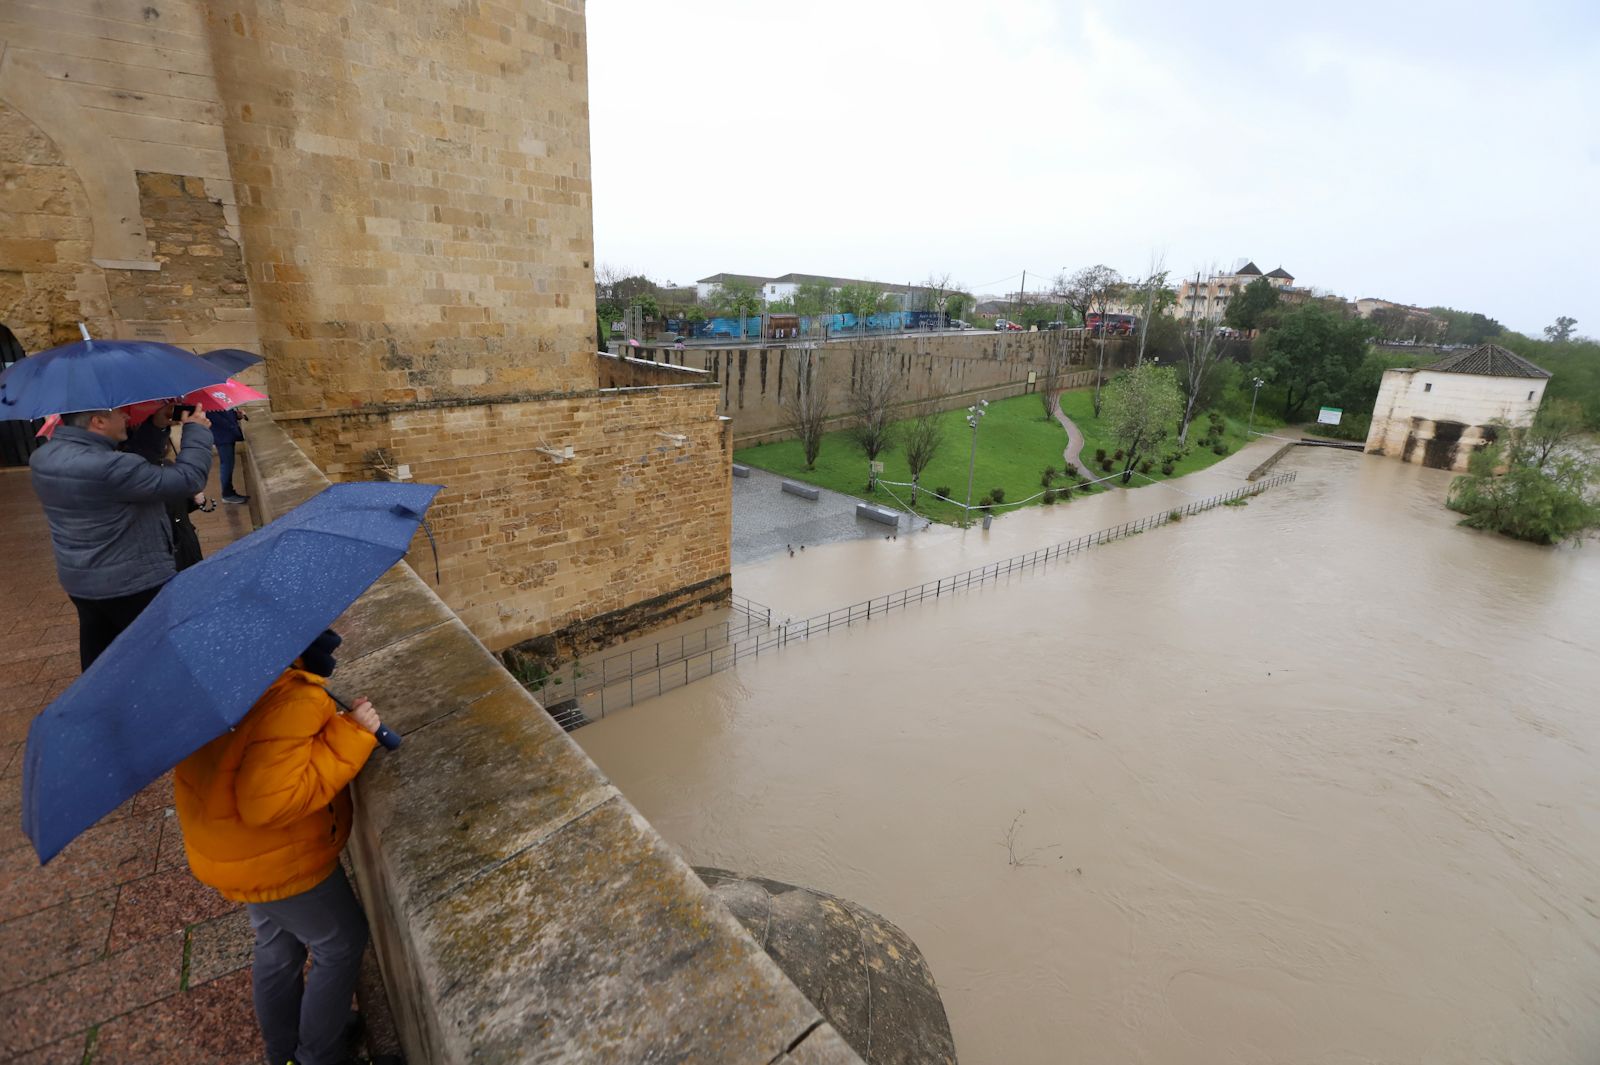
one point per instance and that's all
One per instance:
(688, 659)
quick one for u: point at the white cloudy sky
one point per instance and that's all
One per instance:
(1432, 153)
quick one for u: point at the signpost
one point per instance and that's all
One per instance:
(1329, 415)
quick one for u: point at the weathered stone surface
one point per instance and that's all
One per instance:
(423, 677)
(862, 972)
(823, 1046)
(396, 608)
(588, 948)
(473, 789)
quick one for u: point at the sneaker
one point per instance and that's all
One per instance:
(235, 498)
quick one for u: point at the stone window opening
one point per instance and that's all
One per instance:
(1530, 397)
(1428, 387)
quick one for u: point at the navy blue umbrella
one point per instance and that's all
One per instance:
(99, 375)
(195, 661)
(231, 359)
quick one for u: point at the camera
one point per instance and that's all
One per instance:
(180, 410)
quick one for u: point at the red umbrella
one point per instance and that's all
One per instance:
(225, 396)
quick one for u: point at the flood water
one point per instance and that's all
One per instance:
(1311, 780)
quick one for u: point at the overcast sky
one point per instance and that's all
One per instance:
(1430, 153)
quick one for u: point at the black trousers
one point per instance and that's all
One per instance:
(100, 620)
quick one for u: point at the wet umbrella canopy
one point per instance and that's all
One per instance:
(99, 375)
(195, 661)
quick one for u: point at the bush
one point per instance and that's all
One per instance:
(1105, 465)
(1215, 419)
(1063, 493)
(997, 494)
(1099, 454)
(1047, 477)
(986, 501)
(1086, 485)
(1070, 473)
(1147, 465)
(1219, 448)
(1118, 456)
(1049, 496)
(1166, 469)
(1175, 515)
(943, 490)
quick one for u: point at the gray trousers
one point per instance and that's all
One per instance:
(305, 1024)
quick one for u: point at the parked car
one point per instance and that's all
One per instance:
(956, 323)
(1005, 325)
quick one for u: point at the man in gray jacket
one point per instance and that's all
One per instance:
(108, 517)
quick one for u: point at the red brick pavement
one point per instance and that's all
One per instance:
(112, 953)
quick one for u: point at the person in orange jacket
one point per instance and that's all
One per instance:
(265, 811)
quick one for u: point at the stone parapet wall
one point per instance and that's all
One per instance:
(530, 546)
(522, 909)
(758, 385)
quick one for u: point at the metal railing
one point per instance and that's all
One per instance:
(602, 696)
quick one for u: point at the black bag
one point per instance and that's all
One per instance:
(185, 541)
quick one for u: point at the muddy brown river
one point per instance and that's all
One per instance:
(1311, 780)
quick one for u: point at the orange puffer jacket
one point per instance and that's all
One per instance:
(263, 807)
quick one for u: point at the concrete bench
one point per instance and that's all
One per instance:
(740, 471)
(874, 512)
(804, 491)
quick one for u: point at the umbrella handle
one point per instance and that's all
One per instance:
(387, 737)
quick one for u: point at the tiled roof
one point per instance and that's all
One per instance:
(1488, 360)
(1281, 272)
(749, 279)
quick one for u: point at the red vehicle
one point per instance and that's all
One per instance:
(1116, 325)
(1003, 325)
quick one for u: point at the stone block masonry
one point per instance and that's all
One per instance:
(638, 522)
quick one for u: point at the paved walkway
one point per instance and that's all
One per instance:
(111, 953)
(1075, 441)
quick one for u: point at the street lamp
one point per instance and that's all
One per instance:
(1258, 382)
(975, 414)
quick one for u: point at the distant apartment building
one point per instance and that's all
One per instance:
(776, 289)
(1401, 321)
(1208, 298)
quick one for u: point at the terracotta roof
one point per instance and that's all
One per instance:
(1488, 360)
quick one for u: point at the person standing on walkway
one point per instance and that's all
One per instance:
(151, 440)
(108, 517)
(225, 434)
(265, 811)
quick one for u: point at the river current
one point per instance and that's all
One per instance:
(1309, 780)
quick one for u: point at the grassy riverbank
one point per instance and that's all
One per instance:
(1015, 444)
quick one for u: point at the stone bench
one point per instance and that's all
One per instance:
(804, 491)
(740, 471)
(874, 512)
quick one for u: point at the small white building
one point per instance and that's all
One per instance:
(1441, 414)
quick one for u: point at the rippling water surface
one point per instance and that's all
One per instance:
(1312, 780)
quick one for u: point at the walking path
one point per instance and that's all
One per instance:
(1074, 437)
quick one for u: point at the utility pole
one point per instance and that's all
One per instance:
(975, 414)
(1251, 424)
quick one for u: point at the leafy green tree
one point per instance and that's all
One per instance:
(1465, 327)
(1250, 308)
(1140, 408)
(815, 297)
(629, 289)
(863, 299)
(1561, 332)
(924, 436)
(1311, 353)
(737, 299)
(1528, 492)
(959, 304)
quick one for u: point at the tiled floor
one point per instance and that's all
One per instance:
(112, 953)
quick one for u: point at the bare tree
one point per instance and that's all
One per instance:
(1201, 345)
(923, 438)
(1090, 291)
(1152, 294)
(1049, 376)
(809, 413)
(606, 278)
(874, 386)
(935, 291)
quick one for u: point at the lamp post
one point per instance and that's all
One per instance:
(975, 414)
(1250, 426)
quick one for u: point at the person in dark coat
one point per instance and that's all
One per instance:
(151, 440)
(225, 433)
(108, 517)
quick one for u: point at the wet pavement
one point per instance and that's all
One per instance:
(767, 520)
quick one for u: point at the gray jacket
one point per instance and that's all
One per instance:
(107, 510)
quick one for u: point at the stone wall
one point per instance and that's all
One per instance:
(758, 384)
(116, 200)
(532, 547)
(522, 909)
(413, 183)
(1441, 419)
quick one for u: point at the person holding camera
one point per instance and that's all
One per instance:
(151, 440)
(108, 520)
(265, 811)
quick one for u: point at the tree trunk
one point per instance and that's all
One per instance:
(1188, 416)
(1100, 369)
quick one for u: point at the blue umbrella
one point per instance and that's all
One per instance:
(195, 661)
(99, 375)
(231, 359)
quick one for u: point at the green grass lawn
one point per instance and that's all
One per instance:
(1079, 406)
(1015, 444)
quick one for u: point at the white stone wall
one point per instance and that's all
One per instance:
(1411, 403)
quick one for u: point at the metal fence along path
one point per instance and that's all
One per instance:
(623, 680)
